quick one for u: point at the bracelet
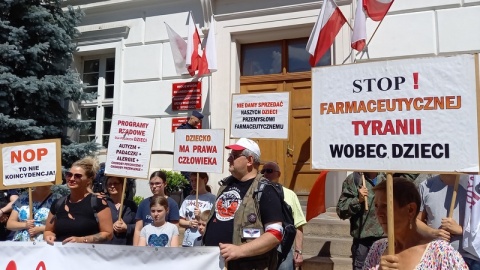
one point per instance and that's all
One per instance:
(85, 239)
(298, 251)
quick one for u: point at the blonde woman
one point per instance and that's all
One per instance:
(80, 217)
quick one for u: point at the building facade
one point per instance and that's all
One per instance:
(124, 54)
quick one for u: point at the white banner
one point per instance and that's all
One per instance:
(40, 256)
(130, 146)
(31, 162)
(199, 150)
(417, 115)
(260, 115)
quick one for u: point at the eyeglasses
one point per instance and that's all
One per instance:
(76, 176)
(233, 156)
(263, 171)
(155, 184)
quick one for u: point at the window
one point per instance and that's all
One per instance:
(274, 57)
(98, 74)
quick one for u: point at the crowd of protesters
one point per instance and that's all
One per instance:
(425, 238)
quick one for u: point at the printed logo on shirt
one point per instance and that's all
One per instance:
(227, 204)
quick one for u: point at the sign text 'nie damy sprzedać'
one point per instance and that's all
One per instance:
(260, 115)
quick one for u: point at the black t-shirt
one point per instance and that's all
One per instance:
(220, 227)
(80, 218)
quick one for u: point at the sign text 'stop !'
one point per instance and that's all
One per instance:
(417, 115)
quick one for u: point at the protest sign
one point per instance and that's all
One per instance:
(199, 150)
(130, 146)
(31, 163)
(260, 115)
(402, 115)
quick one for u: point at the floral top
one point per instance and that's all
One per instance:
(40, 214)
(438, 255)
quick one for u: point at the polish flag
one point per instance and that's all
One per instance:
(328, 24)
(179, 50)
(375, 10)
(208, 63)
(193, 43)
(316, 198)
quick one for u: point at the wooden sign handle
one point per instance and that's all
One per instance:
(454, 196)
(122, 198)
(365, 197)
(390, 225)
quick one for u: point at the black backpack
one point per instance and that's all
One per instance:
(288, 224)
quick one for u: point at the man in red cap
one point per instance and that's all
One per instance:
(247, 231)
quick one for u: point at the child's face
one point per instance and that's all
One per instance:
(201, 227)
(158, 212)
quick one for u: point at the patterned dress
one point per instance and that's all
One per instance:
(40, 214)
(439, 255)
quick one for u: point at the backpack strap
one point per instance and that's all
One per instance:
(94, 205)
(93, 202)
(61, 201)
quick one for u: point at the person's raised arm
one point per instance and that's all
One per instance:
(14, 225)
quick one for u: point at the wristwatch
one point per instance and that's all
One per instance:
(298, 251)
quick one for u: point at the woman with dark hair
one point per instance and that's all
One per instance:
(158, 182)
(80, 217)
(124, 227)
(7, 198)
(189, 213)
(412, 249)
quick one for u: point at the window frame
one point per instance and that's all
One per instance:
(100, 102)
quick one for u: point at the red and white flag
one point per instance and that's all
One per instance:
(376, 10)
(328, 24)
(471, 225)
(179, 50)
(193, 44)
(208, 63)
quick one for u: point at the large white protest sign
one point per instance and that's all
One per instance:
(199, 150)
(130, 146)
(260, 115)
(405, 115)
(40, 256)
(31, 163)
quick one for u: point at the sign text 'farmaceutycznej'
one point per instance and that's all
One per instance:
(26, 163)
(130, 146)
(199, 150)
(260, 115)
(415, 115)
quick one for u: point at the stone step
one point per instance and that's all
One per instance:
(325, 246)
(327, 226)
(326, 263)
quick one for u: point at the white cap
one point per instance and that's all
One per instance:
(244, 143)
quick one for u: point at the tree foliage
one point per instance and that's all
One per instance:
(36, 79)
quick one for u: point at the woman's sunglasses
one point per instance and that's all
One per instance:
(77, 176)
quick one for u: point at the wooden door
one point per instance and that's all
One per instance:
(292, 155)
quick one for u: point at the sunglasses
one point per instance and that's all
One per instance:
(77, 176)
(267, 171)
(233, 156)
